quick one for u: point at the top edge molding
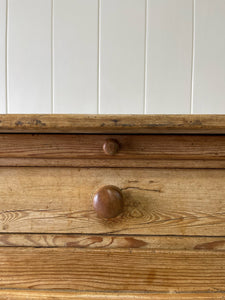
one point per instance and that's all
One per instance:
(129, 124)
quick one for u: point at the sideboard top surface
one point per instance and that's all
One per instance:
(129, 124)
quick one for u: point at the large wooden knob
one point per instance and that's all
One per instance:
(111, 147)
(108, 202)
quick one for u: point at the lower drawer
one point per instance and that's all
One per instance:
(156, 201)
(112, 270)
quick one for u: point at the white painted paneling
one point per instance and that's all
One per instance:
(112, 56)
(2, 56)
(209, 62)
(29, 56)
(75, 56)
(169, 56)
(122, 52)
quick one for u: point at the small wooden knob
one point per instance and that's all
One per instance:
(108, 202)
(111, 147)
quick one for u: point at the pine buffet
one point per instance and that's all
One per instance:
(112, 207)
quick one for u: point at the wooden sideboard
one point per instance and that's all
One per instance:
(112, 207)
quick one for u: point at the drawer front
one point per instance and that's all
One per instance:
(156, 201)
(117, 270)
(82, 150)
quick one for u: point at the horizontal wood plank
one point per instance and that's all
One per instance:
(112, 242)
(159, 151)
(51, 295)
(130, 146)
(112, 270)
(113, 163)
(156, 201)
(213, 124)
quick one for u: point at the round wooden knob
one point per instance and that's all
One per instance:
(111, 147)
(108, 202)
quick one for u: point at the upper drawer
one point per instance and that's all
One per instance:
(82, 150)
(156, 201)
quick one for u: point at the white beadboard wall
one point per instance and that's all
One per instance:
(3, 71)
(112, 56)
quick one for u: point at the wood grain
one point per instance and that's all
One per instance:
(112, 242)
(156, 201)
(132, 147)
(51, 295)
(213, 124)
(112, 270)
(139, 163)
(159, 151)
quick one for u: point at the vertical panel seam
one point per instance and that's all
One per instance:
(98, 60)
(52, 58)
(6, 58)
(193, 58)
(145, 58)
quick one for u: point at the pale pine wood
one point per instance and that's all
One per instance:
(51, 295)
(112, 270)
(140, 163)
(132, 147)
(165, 202)
(213, 124)
(160, 151)
(112, 242)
